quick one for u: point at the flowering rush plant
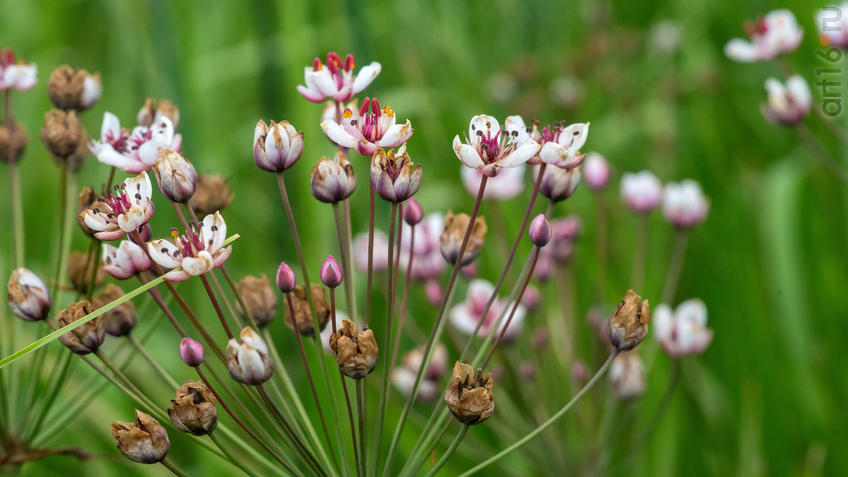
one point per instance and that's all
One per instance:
(402, 346)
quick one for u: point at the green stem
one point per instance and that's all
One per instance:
(545, 424)
(173, 468)
(229, 456)
(360, 412)
(153, 363)
(449, 451)
(675, 266)
(344, 249)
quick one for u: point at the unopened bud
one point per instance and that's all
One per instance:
(628, 324)
(62, 133)
(28, 296)
(247, 358)
(627, 376)
(394, 176)
(118, 321)
(13, 141)
(333, 180)
(285, 278)
(355, 351)
(191, 352)
(559, 184)
(258, 297)
(454, 232)
(175, 175)
(412, 211)
(331, 272)
(596, 171)
(212, 193)
(469, 397)
(540, 231)
(276, 147)
(69, 88)
(144, 441)
(193, 409)
(85, 338)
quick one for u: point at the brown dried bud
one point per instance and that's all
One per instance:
(454, 232)
(118, 321)
(259, 298)
(193, 409)
(85, 338)
(355, 351)
(144, 441)
(628, 324)
(13, 141)
(88, 199)
(470, 396)
(79, 272)
(153, 110)
(211, 194)
(73, 89)
(62, 133)
(301, 309)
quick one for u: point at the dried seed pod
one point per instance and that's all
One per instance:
(302, 314)
(79, 272)
(85, 338)
(470, 396)
(453, 234)
(628, 324)
(211, 194)
(153, 110)
(193, 409)
(144, 441)
(62, 133)
(13, 141)
(69, 88)
(118, 321)
(355, 351)
(259, 298)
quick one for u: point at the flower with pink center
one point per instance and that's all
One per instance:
(467, 314)
(506, 185)
(489, 148)
(777, 32)
(368, 129)
(596, 171)
(427, 261)
(16, 75)
(123, 212)
(683, 331)
(196, 252)
(641, 191)
(561, 143)
(684, 205)
(335, 80)
(832, 22)
(134, 151)
(394, 176)
(380, 260)
(125, 261)
(787, 104)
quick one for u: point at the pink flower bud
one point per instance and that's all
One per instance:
(286, 280)
(434, 292)
(540, 231)
(412, 212)
(531, 298)
(331, 273)
(596, 171)
(191, 352)
(641, 191)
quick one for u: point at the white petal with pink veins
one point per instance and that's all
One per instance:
(574, 136)
(164, 253)
(198, 265)
(107, 155)
(483, 123)
(467, 154)
(520, 155)
(323, 82)
(396, 134)
(337, 134)
(111, 126)
(252, 367)
(365, 76)
(213, 232)
(221, 256)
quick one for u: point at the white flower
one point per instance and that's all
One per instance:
(125, 211)
(787, 105)
(124, 261)
(683, 331)
(561, 143)
(778, 32)
(596, 171)
(627, 376)
(641, 191)
(196, 252)
(467, 314)
(28, 296)
(490, 148)
(368, 129)
(247, 358)
(684, 205)
(16, 75)
(832, 22)
(336, 80)
(506, 185)
(136, 151)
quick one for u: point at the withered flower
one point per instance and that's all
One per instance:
(454, 232)
(333, 179)
(62, 133)
(259, 298)
(394, 175)
(211, 194)
(470, 396)
(152, 111)
(70, 88)
(79, 272)
(144, 441)
(86, 338)
(13, 141)
(301, 309)
(118, 321)
(628, 324)
(247, 358)
(355, 351)
(28, 296)
(193, 409)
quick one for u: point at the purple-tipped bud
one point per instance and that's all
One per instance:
(191, 352)
(540, 231)
(145, 232)
(412, 212)
(175, 175)
(331, 272)
(285, 278)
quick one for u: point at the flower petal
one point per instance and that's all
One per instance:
(213, 232)
(467, 154)
(165, 253)
(365, 76)
(337, 134)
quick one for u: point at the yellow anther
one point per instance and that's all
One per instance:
(347, 113)
(391, 153)
(388, 111)
(174, 234)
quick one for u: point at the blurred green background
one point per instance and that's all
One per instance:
(769, 262)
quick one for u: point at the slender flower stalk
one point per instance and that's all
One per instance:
(438, 326)
(640, 256)
(359, 469)
(344, 250)
(217, 306)
(405, 296)
(384, 386)
(675, 266)
(369, 278)
(15, 191)
(547, 423)
(453, 445)
(821, 154)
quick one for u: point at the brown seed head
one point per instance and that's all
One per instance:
(211, 194)
(13, 141)
(470, 396)
(62, 133)
(85, 338)
(454, 232)
(193, 409)
(118, 321)
(355, 351)
(628, 324)
(144, 441)
(301, 309)
(152, 109)
(259, 298)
